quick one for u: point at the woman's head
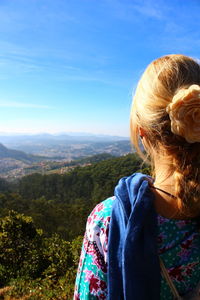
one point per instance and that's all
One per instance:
(164, 80)
(166, 107)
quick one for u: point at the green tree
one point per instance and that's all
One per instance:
(20, 244)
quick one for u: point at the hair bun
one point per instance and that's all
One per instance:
(184, 113)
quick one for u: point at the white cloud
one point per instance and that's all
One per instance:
(13, 104)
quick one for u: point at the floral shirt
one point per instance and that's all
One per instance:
(178, 247)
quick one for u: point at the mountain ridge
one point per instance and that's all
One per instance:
(18, 155)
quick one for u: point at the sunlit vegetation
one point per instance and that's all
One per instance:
(42, 221)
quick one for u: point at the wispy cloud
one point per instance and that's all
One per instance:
(149, 9)
(13, 104)
(131, 10)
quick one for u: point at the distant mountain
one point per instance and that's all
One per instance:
(67, 146)
(22, 155)
(52, 138)
(18, 155)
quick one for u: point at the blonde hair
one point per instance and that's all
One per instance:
(163, 80)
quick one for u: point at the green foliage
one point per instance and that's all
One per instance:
(19, 244)
(40, 289)
(4, 185)
(42, 264)
(61, 203)
(57, 251)
(42, 268)
(80, 182)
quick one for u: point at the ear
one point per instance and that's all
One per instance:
(142, 132)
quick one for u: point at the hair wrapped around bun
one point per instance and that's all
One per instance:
(184, 113)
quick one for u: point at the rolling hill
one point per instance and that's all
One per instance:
(18, 155)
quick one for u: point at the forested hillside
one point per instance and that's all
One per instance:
(42, 222)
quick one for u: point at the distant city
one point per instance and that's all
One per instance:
(21, 155)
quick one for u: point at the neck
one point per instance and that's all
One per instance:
(164, 175)
(166, 205)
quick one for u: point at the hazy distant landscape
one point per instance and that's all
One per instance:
(45, 153)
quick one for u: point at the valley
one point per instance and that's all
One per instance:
(47, 154)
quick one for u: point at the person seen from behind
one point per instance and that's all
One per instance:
(144, 242)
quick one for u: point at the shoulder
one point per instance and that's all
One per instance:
(97, 227)
(100, 216)
(102, 210)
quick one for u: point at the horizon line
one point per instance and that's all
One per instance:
(10, 133)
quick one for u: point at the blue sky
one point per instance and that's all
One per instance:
(72, 65)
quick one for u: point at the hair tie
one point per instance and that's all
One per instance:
(184, 113)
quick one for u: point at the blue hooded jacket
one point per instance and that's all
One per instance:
(133, 263)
